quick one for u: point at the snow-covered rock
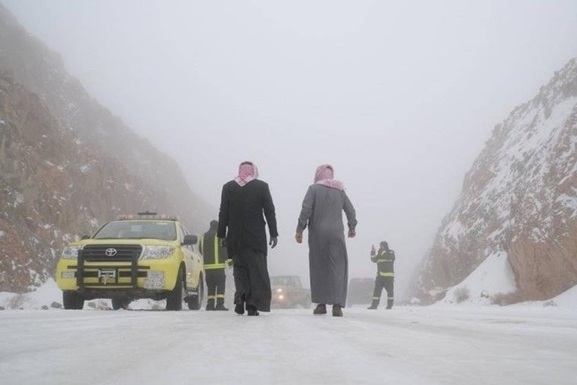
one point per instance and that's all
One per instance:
(519, 201)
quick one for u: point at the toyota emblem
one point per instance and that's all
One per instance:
(110, 252)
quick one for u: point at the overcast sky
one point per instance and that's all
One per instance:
(399, 96)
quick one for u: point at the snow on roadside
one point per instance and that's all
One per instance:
(493, 276)
(48, 294)
(44, 295)
(566, 299)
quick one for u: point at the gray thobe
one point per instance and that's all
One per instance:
(322, 213)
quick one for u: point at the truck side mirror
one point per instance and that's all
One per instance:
(189, 240)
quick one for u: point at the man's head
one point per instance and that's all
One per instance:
(384, 245)
(324, 171)
(247, 168)
(247, 172)
(213, 225)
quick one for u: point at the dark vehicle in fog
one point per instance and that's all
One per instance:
(288, 292)
(360, 291)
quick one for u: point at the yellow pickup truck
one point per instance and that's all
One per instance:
(140, 256)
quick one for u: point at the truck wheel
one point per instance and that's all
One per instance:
(175, 296)
(72, 300)
(195, 301)
(120, 303)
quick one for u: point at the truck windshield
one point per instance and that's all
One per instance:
(138, 230)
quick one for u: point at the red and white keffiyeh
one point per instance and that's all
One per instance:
(246, 173)
(325, 175)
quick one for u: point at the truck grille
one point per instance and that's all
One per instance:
(111, 253)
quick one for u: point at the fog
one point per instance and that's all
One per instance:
(399, 96)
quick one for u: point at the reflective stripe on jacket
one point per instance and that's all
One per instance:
(214, 255)
(385, 260)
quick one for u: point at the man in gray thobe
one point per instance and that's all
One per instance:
(322, 212)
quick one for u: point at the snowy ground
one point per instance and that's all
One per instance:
(441, 344)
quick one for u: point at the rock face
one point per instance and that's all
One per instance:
(519, 200)
(67, 164)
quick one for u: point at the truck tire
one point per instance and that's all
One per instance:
(72, 300)
(120, 303)
(195, 301)
(175, 296)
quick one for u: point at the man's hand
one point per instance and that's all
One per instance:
(273, 242)
(222, 242)
(352, 233)
(299, 237)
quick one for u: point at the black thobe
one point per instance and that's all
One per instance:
(241, 213)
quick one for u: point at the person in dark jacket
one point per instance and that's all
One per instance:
(385, 260)
(215, 262)
(241, 226)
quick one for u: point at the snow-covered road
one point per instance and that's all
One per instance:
(408, 345)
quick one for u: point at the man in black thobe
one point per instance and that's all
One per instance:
(243, 202)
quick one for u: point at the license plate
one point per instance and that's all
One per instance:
(107, 273)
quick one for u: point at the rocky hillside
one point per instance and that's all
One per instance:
(519, 202)
(67, 164)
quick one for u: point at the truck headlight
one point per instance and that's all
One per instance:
(157, 252)
(70, 252)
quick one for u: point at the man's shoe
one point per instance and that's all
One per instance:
(209, 308)
(337, 311)
(251, 310)
(221, 308)
(320, 309)
(372, 307)
(239, 308)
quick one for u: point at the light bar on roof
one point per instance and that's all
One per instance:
(147, 215)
